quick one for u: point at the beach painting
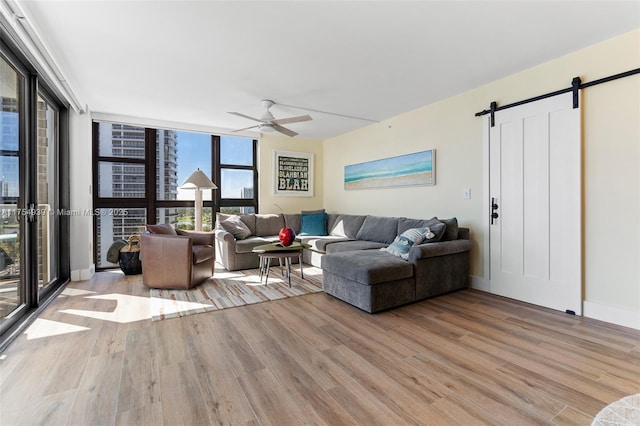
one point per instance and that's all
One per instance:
(405, 170)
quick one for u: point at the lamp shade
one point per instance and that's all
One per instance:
(198, 180)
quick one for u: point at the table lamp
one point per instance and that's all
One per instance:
(198, 181)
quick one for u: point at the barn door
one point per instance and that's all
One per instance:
(535, 185)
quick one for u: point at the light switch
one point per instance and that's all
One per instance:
(467, 193)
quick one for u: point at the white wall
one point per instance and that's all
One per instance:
(611, 160)
(80, 174)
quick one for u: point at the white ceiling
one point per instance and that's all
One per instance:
(193, 61)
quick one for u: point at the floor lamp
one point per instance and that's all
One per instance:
(198, 181)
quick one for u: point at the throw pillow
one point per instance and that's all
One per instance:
(437, 230)
(409, 238)
(313, 211)
(451, 233)
(162, 228)
(236, 227)
(314, 224)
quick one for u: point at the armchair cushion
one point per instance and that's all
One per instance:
(162, 228)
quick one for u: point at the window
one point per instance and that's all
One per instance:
(138, 173)
(236, 175)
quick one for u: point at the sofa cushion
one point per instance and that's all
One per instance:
(319, 244)
(380, 229)
(346, 225)
(313, 224)
(268, 224)
(292, 221)
(342, 246)
(434, 224)
(367, 267)
(451, 233)
(246, 246)
(162, 228)
(402, 244)
(235, 226)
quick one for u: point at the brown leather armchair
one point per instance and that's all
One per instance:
(175, 258)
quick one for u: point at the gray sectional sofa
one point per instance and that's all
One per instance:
(355, 270)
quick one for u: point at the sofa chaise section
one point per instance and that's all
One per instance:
(373, 280)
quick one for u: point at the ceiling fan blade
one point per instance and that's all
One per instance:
(284, 130)
(246, 116)
(297, 119)
(246, 128)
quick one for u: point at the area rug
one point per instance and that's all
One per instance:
(231, 289)
(626, 412)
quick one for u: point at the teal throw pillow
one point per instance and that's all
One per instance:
(402, 244)
(313, 224)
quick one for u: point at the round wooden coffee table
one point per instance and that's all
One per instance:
(266, 252)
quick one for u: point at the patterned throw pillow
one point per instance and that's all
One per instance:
(235, 226)
(409, 238)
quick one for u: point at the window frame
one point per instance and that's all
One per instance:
(217, 172)
(150, 201)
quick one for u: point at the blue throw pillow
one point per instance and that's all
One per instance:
(314, 224)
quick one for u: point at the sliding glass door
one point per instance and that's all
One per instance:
(12, 295)
(47, 219)
(31, 251)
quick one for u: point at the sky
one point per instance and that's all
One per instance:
(194, 151)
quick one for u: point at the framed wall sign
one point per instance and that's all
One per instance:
(293, 173)
(405, 170)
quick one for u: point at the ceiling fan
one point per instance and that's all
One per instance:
(268, 123)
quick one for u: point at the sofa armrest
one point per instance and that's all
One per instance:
(422, 251)
(223, 235)
(199, 238)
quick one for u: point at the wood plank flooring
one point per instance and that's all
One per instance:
(95, 358)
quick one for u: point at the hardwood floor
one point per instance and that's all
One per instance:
(94, 357)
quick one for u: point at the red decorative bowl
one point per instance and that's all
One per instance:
(286, 236)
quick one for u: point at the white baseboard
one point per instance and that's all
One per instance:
(479, 283)
(614, 315)
(83, 274)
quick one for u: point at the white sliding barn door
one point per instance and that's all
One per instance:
(535, 180)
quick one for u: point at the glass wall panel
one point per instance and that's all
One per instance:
(131, 176)
(237, 210)
(121, 140)
(117, 224)
(236, 150)
(178, 154)
(236, 183)
(121, 180)
(184, 217)
(11, 291)
(47, 179)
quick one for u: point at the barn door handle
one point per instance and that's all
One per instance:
(494, 207)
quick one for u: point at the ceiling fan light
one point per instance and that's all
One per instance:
(266, 128)
(267, 116)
